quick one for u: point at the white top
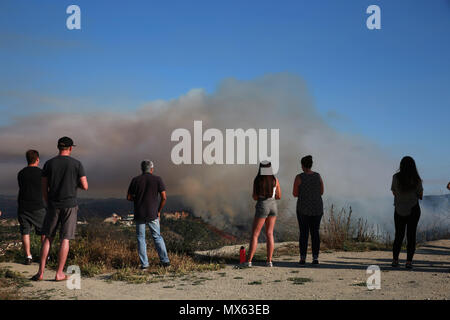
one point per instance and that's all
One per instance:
(274, 191)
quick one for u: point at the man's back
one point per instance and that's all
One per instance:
(63, 174)
(30, 189)
(145, 190)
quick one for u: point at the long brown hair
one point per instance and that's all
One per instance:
(264, 183)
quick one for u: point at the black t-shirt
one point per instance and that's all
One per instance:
(145, 190)
(63, 174)
(30, 189)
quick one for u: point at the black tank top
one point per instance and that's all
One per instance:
(309, 200)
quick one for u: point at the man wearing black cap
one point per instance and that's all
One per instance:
(61, 176)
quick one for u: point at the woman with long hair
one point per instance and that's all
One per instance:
(266, 189)
(407, 189)
(308, 188)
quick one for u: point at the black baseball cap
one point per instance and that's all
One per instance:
(65, 142)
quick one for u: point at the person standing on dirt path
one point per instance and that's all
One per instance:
(148, 193)
(407, 189)
(308, 188)
(266, 190)
(31, 209)
(61, 177)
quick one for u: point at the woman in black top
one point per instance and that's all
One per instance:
(308, 188)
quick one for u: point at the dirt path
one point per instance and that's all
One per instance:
(341, 275)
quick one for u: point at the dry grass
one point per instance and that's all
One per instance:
(103, 248)
(340, 231)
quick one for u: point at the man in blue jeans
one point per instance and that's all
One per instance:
(148, 193)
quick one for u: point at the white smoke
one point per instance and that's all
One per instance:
(111, 146)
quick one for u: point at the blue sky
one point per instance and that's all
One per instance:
(390, 85)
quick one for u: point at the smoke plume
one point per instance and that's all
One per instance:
(111, 146)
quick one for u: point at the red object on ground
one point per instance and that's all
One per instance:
(242, 255)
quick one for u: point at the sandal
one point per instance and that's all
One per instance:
(66, 277)
(36, 277)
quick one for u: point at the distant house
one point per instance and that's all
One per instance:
(176, 215)
(9, 222)
(129, 217)
(113, 219)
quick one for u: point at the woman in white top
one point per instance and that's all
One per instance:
(266, 189)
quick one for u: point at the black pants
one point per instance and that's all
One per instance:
(410, 224)
(309, 225)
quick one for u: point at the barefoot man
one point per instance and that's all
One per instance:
(61, 177)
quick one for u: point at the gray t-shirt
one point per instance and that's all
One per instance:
(404, 201)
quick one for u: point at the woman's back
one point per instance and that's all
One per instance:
(404, 200)
(309, 195)
(264, 186)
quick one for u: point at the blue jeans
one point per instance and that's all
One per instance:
(157, 238)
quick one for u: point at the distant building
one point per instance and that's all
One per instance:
(113, 219)
(129, 217)
(9, 222)
(176, 215)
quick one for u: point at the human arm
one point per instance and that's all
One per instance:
(162, 192)
(278, 190)
(254, 194)
(162, 202)
(394, 186)
(297, 182)
(420, 191)
(45, 189)
(83, 183)
(322, 188)
(82, 180)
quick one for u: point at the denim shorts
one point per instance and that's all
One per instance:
(266, 208)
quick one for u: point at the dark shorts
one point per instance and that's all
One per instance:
(65, 219)
(28, 219)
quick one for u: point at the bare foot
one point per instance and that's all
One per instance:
(61, 277)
